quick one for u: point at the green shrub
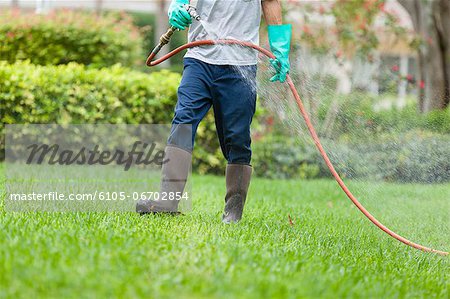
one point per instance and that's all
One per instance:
(282, 157)
(416, 156)
(438, 121)
(75, 94)
(357, 117)
(68, 36)
(147, 23)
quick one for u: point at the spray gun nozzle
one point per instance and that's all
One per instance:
(192, 12)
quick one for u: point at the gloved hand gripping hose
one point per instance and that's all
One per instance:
(280, 45)
(165, 38)
(311, 130)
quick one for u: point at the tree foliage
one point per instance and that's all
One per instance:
(345, 27)
(350, 28)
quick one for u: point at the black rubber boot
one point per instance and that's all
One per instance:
(237, 181)
(174, 175)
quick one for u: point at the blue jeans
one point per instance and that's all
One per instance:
(231, 91)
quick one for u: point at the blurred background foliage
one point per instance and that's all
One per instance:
(147, 22)
(69, 36)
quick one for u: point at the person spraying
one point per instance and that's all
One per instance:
(221, 77)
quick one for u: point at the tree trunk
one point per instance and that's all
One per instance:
(442, 24)
(162, 24)
(431, 23)
(98, 7)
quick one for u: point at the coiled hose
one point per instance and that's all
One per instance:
(311, 129)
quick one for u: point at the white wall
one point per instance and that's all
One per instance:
(130, 5)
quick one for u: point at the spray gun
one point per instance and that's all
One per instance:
(165, 38)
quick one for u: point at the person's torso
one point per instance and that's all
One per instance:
(226, 19)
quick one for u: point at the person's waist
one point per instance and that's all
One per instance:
(241, 61)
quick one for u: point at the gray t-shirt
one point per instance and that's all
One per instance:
(226, 19)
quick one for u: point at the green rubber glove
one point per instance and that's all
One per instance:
(280, 45)
(178, 15)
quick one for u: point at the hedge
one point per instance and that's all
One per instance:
(357, 116)
(76, 94)
(283, 157)
(70, 36)
(147, 24)
(412, 157)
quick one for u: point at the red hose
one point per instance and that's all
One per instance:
(311, 129)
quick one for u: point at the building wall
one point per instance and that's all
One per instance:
(130, 5)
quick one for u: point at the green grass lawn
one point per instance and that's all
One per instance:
(330, 250)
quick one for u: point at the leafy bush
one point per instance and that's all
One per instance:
(283, 157)
(438, 120)
(357, 117)
(416, 156)
(77, 94)
(74, 93)
(68, 36)
(393, 145)
(147, 23)
(408, 118)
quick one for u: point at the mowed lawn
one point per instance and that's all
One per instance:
(328, 250)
